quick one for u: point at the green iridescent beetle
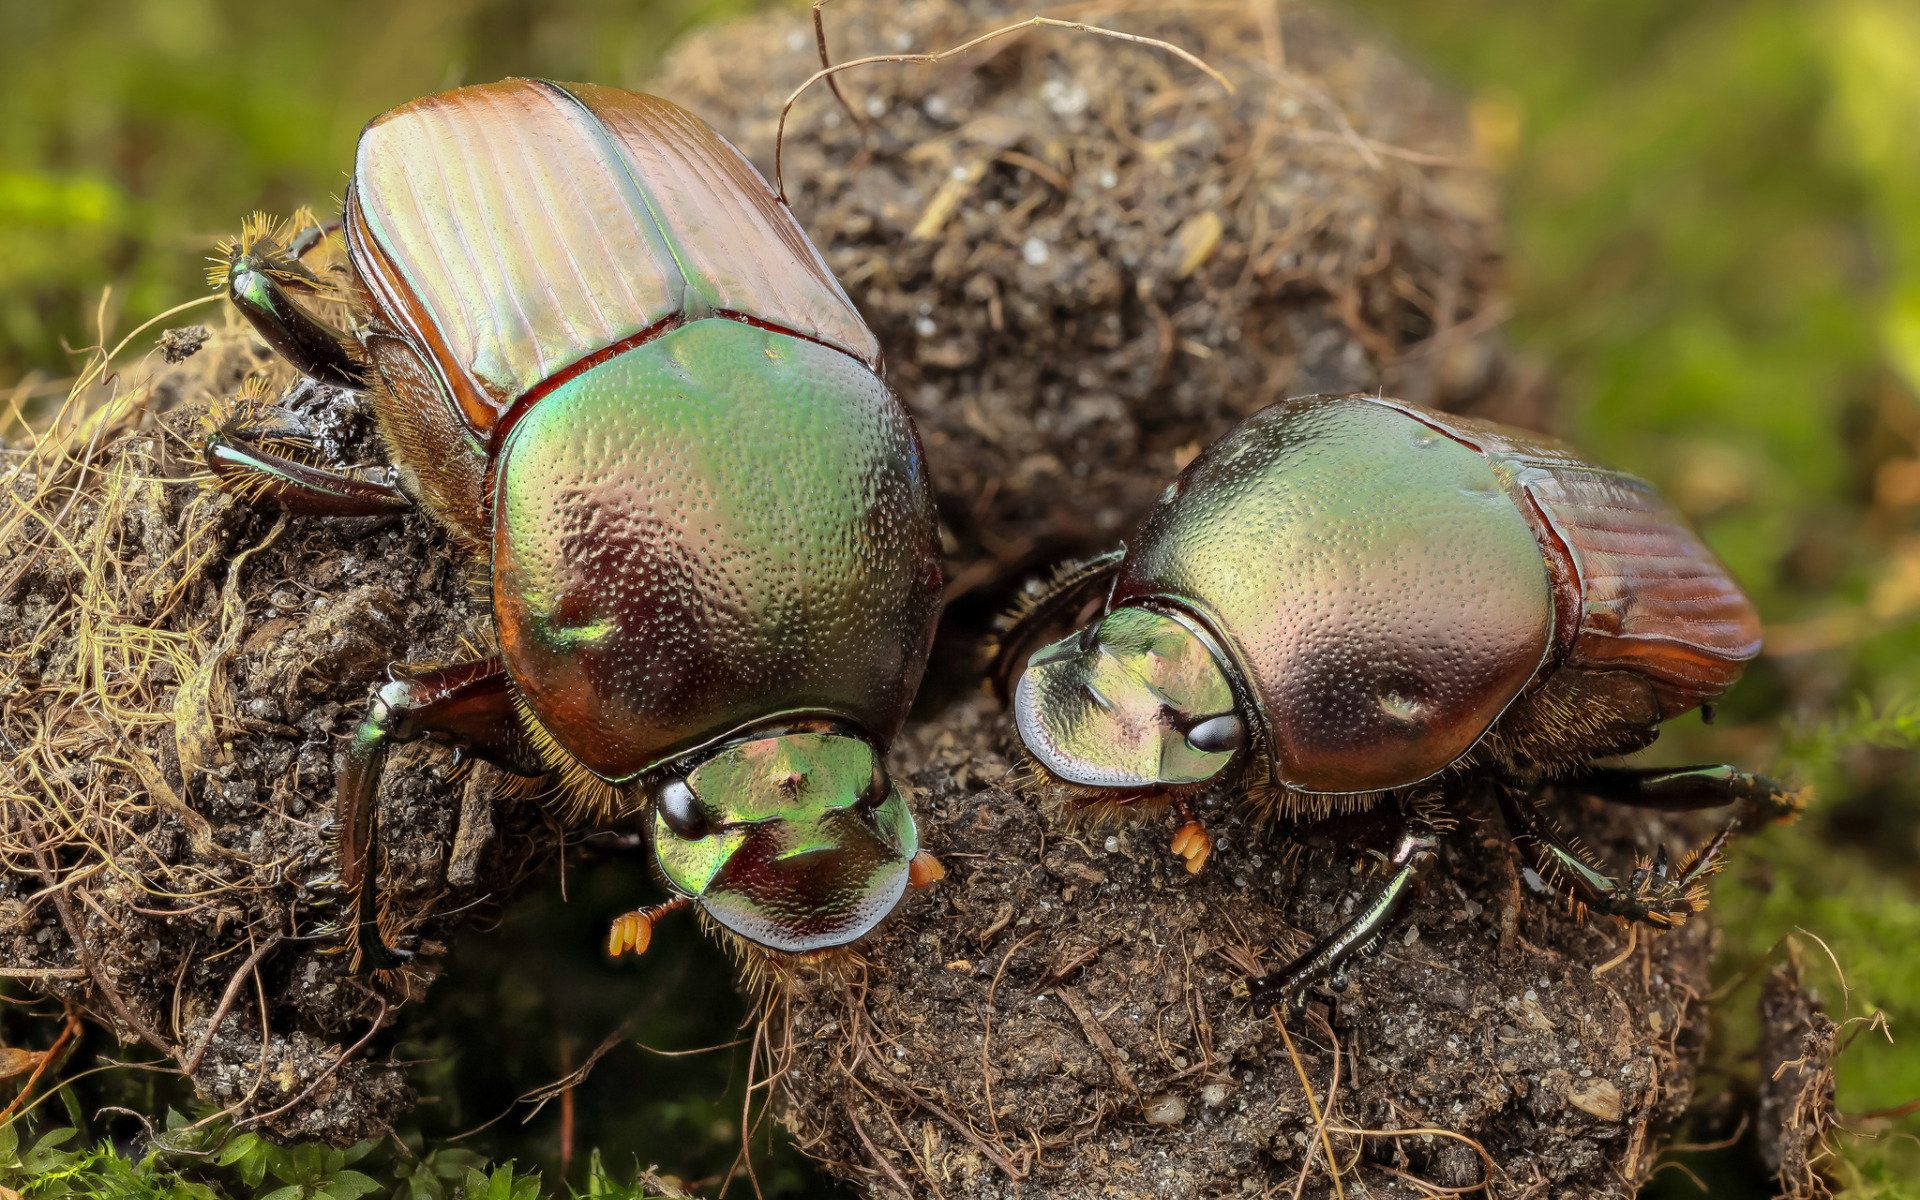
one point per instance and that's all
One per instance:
(1352, 603)
(603, 355)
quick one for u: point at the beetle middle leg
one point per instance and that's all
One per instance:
(1654, 894)
(468, 706)
(240, 459)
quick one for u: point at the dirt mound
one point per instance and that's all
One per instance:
(1084, 261)
(1085, 258)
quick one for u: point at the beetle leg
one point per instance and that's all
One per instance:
(256, 473)
(1041, 606)
(1687, 789)
(1327, 958)
(306, 239)
(469, 706)
(1760, 801)
(1654, 894)
(316, 349)
(1191, 841)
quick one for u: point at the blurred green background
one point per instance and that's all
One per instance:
(1715, 251)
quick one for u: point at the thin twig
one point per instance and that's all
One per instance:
(1313, 1106)
(882, 1075)
(820, 40)
(746, 1115)
(1320, 1118)
(873, 1150)
(539, 1096)
(1426, 1187)
(1633, 938)
(689, 1053)
(227, 998)
(1479, 1149)
(46, 1060)
(1739, 1132)
(986, 1038)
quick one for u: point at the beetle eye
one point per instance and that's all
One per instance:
(681, 809)
(1217, 735)
(877, 788)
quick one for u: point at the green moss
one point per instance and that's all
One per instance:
(215, 1163)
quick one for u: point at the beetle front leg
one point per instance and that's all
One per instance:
(255, 277)
(468, 706)
(1327, 958)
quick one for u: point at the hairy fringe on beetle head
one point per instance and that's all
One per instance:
(766, 971)
(581, 796)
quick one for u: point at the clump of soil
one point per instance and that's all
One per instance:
(1062, 1010)
(1084, 261)
(1796, 1111)
(180, 673)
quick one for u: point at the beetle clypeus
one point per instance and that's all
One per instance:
(1349, 602)
(602, 352)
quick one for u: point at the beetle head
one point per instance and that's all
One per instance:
(1138, 700)
(796, 841)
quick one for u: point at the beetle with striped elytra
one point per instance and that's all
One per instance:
(1348, 603)
(606, 359)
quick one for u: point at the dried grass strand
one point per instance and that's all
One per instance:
(930, 58)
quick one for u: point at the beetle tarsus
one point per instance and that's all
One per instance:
(1326, 960)
(1559, 868)
(1654, 894)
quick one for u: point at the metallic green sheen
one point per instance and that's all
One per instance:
(718, 528)
(1382, 597)
(792, 858)
(1113, 710)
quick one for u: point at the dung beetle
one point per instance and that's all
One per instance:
(1348, 603)
(603, 354)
